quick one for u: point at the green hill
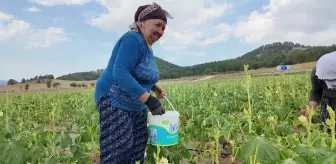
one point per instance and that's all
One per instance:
(266, 56)
(269, 55)
(164, 67)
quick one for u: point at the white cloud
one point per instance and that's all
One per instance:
(21, 31)
(224, 29)
(193, 23)
(34, 9)
(14, 28)
(50, 3)
(171, 59)
(46, 38)
(5, 17)
(9, 27)
(171, 47)
(307, 22)
(190, 53)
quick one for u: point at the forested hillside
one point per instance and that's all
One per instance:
(269, 55)
(164, 67)
(80, 76)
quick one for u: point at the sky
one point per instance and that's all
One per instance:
(39, 37)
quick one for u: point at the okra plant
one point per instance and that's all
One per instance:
(252, 119)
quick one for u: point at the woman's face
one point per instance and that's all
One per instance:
(153, 29)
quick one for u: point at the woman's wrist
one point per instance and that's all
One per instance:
(144, 97)
(155, 87)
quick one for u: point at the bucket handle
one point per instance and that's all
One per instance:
(169, 103)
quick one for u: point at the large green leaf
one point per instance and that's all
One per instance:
(310, 154)
(295, 160)
(11, 152)
(64, 140)
(36, 152)
(263, 149)
(329, 157)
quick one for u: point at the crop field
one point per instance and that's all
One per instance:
(252, 120)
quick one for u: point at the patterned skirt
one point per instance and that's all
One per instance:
(324, 114)
(123, 134)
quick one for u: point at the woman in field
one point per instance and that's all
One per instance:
(323, 80)
(123, 90)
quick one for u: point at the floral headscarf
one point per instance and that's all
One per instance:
(149, 9)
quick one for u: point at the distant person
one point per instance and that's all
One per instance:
(323, 80)
(122, 92)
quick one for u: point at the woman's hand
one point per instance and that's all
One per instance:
(159, 92)
(304, 112)
(313, 104)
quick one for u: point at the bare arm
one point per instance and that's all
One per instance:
(316, 90)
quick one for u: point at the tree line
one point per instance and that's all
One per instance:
(269, 55)
(266, 56)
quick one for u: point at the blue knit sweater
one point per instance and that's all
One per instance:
(131, 71)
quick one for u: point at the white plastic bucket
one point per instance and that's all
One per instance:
(164, 128)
